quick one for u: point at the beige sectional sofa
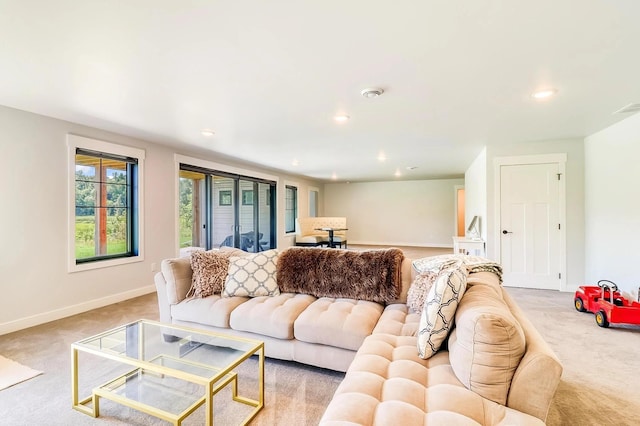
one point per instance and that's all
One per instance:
(495, 369)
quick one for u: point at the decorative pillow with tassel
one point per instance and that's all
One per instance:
(439, 310)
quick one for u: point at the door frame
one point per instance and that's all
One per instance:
(560, 159)
(456, 188)
(317, 191)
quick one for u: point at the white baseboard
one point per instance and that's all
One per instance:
(56, 314)
(396, 243)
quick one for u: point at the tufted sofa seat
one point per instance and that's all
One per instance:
(388, 383)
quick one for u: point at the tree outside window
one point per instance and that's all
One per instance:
(104, 206)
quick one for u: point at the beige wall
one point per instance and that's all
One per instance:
(475, 180)
(413, 213)
(36, 286)
(612, 205)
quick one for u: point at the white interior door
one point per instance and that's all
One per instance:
(530, 231)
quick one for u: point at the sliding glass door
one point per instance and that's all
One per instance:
(192, 211)
(223, 212)
(220, 209)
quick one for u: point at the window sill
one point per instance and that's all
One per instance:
(98, 264)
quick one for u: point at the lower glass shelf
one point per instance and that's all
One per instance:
(151, 392)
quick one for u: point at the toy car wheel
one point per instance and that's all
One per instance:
(601, 319)
(579, 304)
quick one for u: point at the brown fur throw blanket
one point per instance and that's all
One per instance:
(373, 275)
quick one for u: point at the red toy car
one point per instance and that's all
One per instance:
(607, 303)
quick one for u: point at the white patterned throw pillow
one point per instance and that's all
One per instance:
(439, 310)
(253, 275)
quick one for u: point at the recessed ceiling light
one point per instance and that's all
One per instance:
(544, 94)
(207, 132)
(382, 157)
(334, 176)
(372, 92)
(341, 118)
(295, 162)
(397, 173)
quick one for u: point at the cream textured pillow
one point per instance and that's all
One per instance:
(436, 263)
(487, 345)
(252, 275)
(209, 272)
(419, 291)
(439, 310)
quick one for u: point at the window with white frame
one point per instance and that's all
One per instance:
(106, 203)
(290, 208)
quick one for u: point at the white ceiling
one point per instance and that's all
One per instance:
(268, 76)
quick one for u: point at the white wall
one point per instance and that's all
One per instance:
(475, 192)
(411, 213)
(575, 166)
(36, 286)
(612, 205)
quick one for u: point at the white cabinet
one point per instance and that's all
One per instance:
(473, 247)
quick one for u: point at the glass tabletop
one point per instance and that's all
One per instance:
(191, 351)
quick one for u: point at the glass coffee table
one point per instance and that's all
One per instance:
(170, 370)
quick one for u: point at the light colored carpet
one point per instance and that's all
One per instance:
(12, 373)
(601, 366)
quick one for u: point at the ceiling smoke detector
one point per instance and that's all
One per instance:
(372, 92)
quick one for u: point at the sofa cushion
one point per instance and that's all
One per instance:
(343, 323)
(406, 272)
(397, 320)
(439, 310)
(270, 315)
(212, 310)
(252, 275)
(487, 344)
(388, 383)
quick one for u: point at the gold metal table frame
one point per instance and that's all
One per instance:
(213, 378)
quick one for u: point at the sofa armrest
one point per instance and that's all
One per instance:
(172, 284)
(164, 307)
(177, 274)
(537, 377)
